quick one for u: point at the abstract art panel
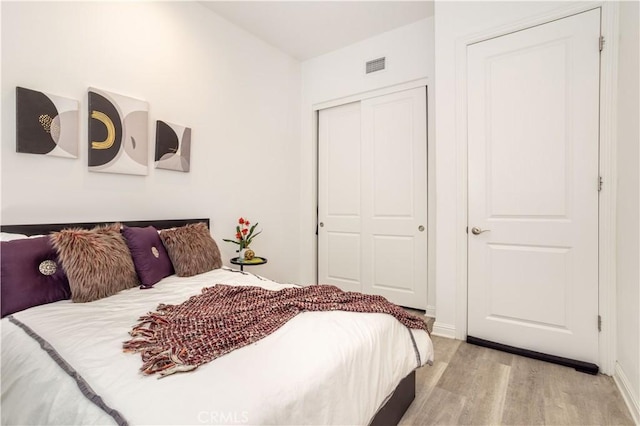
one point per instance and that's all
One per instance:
(118, 140)
(173, 147)
(46, 124)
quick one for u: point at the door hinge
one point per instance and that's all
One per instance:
(599, 323)
(601, 43)
(600, 182)
(467, 230)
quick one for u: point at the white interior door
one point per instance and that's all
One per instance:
(533, 188)
(373, 197)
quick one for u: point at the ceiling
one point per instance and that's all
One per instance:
(305, 29)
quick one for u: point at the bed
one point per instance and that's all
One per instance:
(63, 362)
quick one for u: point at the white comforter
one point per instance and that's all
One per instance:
(319, 368)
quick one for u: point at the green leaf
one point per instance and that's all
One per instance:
(250, 235)
(251, 230)
(251, 239)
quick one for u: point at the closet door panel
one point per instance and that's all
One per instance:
(372, 204)
(394, 197)
(339, 193)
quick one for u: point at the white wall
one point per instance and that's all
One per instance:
(240, 96)
(628, 211)
(340, 75)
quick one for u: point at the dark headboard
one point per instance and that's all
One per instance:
(37, 229)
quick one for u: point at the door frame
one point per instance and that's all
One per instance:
(431, 189)
(607, 165)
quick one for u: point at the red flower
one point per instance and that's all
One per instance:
(244, 233)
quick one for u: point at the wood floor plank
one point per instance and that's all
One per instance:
(524, 402)
(467, 359)
(582, 398)
(559, 384)
(443, 408)
(444, 348)
(426, 379)
(429, 376)
(486, 394)
(470, 384)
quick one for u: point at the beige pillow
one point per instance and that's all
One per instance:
(191, 249)
(97, 261)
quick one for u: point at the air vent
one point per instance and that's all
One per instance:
(376, 65)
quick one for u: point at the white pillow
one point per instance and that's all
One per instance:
(7, 236)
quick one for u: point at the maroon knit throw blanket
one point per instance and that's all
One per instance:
(182, 337)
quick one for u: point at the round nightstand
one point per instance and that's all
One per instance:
(255, 261)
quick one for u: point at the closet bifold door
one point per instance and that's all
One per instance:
(372, 197)
(339, 194)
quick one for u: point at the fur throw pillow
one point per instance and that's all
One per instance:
(97, 261)
(191, 249)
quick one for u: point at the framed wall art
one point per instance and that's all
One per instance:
(118, 140)
(173, 147)
(46, 124)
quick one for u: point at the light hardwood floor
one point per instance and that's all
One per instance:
(472, 385)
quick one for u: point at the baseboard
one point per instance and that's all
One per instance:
(430, 311)
(444, 330)
(621, 380)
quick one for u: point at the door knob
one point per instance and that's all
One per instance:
(421, 228)
(477, 231)
(321, 224)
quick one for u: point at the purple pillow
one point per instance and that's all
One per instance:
(149, 255)
(30, 275)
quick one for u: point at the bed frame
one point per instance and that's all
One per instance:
(45, 228)
(391, 411)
